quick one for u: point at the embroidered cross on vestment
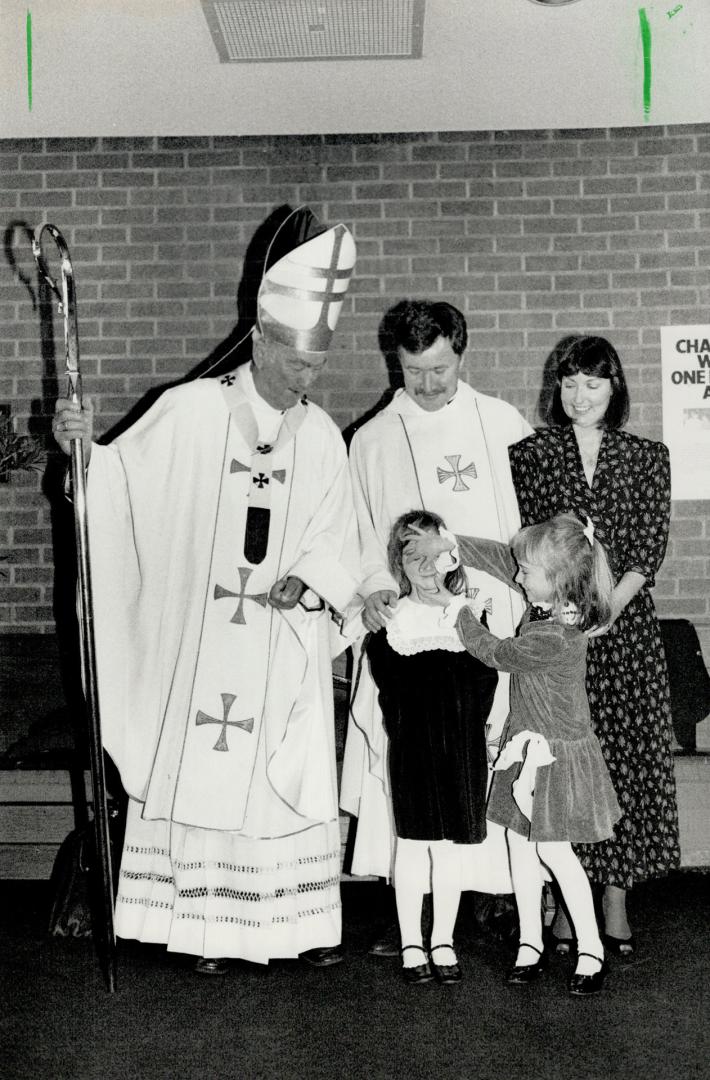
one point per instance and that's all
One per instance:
(455, 473)
(258, 598)
(227, 702)
(277, 474)
(256, 536)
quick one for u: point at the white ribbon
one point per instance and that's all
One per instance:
(450, 614)
(447, 561)
(538, 754)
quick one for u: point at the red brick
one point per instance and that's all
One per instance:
(550, 226)
(533, 234)
(552, 301)
(525, 169)
(420, 171)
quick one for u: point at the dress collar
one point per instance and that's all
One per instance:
(416, 628)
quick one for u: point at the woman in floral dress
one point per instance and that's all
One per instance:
(584, 462)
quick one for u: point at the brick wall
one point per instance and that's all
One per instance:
(531, 234)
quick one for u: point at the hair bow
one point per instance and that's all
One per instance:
(448, 560)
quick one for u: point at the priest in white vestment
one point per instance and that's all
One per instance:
(223, 539)
(438, 445)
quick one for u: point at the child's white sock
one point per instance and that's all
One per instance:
(412, 871)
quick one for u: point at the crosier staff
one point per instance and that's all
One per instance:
(67, 307)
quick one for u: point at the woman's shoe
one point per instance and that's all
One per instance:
(583, 985)
(422, 972)
(623, 947)
(522, 974)
(563, 946)
(445, 973)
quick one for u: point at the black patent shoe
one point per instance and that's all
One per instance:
(522, 974)
(387, 944)
(422, 972)
(563, 946)
(623, 947)
(324, 957)
(583, 985)
(445, 973)
(212, 965)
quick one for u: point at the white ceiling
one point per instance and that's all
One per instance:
(137, 67)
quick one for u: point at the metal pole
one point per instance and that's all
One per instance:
(106, 942)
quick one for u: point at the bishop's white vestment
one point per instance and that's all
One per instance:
(454, 462)
(216, 707)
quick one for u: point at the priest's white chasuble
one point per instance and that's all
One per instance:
(454, 462)
(216, 707)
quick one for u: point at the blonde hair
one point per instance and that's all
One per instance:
(577, 570)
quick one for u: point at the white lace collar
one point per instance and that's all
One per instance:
(416, 628)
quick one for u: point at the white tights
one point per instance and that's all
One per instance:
(418, 866)
(526, 860)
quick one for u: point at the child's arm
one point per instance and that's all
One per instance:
(532, 651)
(490, 556)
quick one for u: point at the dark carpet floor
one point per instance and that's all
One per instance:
(359, 1019)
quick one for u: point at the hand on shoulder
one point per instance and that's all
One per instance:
(379, 608)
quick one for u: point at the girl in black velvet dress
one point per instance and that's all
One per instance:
(435, 699)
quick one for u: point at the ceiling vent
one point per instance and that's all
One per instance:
(259, 31)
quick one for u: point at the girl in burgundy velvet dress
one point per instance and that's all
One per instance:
(551, 787)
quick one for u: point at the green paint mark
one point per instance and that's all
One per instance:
(29, 59)
(646, 41)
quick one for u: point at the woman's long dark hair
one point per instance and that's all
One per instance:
(455, 580)
(592, 356)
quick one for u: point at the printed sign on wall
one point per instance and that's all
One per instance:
(685, 359)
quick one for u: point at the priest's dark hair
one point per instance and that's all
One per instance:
(592, 356)
(455, 580)
(415, 325)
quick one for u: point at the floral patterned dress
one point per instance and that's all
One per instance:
(627, 680)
